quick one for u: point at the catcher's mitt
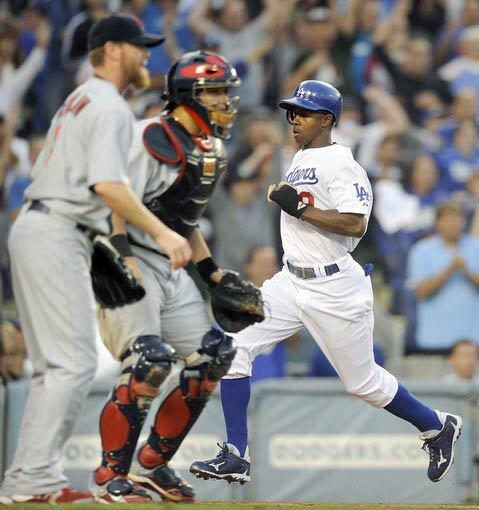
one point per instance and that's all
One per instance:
(113, 282)
(236, 303)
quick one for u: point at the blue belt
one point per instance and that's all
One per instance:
(307, 273)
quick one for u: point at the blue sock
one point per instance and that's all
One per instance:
(406, 406)
(235, 395)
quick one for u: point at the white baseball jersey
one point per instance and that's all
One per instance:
(87, 144)
(326, 178)
(337, 309)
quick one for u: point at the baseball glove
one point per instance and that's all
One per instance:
(236, 303)
(113, 282)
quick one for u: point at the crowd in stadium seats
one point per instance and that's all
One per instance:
(409, 74)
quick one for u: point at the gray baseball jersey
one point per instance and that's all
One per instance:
(148, 177)
(87, 143)
(172, 296)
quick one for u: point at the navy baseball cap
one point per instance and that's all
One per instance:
(121, 28)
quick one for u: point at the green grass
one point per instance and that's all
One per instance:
(233, 505)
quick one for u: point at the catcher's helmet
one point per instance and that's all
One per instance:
(195, 72)
(316, 96)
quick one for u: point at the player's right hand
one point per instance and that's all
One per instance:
(176, 247)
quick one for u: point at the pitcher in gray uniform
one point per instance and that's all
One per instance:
(175, 162)
(79, 176)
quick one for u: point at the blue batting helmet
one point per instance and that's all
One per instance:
(316, 96)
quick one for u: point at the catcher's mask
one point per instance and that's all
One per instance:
(203, 71)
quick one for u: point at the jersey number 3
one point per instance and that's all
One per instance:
(307, 198)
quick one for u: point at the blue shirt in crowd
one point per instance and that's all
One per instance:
(152, 18)
(15, 196)
(452, 313)
(456, 168)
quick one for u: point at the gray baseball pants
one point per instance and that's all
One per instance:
(50, 261)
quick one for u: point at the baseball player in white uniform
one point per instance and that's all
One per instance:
(326, 201)
(79, 176)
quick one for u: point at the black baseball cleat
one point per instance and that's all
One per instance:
(116, 490)
(164, 481)
(440, 445)
(227, 465)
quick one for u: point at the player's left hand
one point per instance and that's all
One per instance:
(132, 264)
(287, 198)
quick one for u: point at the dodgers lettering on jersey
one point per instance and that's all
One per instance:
(326, 178)
(87, 144)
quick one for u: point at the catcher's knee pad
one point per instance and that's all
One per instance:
(182, 407)
(144, 367)
(153, 365)
(221, 349)
(377, 390)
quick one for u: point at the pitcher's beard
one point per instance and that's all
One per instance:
(141, 80)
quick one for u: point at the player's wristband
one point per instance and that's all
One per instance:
(289, 200)
(120, 242)
(206, 268)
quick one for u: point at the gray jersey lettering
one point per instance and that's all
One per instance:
(87, 143)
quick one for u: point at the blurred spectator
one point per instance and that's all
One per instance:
(358, 25)
(255, 155)
(471, 203)
(460, 160)
(147, 104)
(427, 17)
(392, 120)
(243, 41)
(75, 39)
(349, 132)
(449, 42)
(443, 272)
(463, 357)
(10, 156)
(16, 78)
(386, 164)
(168, 17)
(21, 182)
(419, 88)
(405, 213)
(12, 352)
(409, 208)
(54, 87)
(464, 107)
(261, 264)
(241, 216)
(318, 63)
(321, 367)
(463, 71)
(418, 142)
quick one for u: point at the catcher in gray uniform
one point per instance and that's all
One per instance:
(175, 162)
(76, 181)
